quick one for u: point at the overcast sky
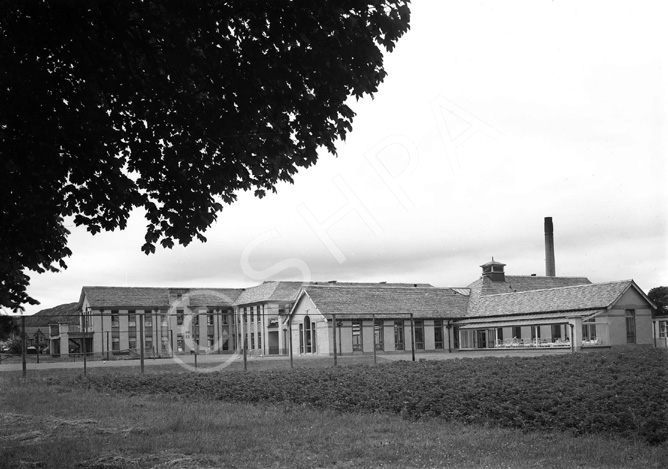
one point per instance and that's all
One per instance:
(492, 117)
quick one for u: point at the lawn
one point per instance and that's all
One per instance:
(425, 414)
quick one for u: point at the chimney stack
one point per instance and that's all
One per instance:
(549, 248)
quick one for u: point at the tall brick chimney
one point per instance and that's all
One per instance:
(549, 248)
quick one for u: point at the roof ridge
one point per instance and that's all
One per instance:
(584, 285)
(380, 286)
(546, 276)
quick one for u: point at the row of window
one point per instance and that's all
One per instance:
(399, 334)
(148, 318)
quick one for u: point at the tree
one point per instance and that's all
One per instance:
(659, 296)
(168, 106)
(8, 326)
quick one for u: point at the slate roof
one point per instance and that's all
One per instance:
(202, 297)
(520, 283)
(524, 319)
(282, 291)
(572, 298)
(269, 291)
(154, 297)
(362, 302)
(61, 314)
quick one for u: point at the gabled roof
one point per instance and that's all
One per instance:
(61, 314)
(572, 298)
(382, 301)
(269, 291)
(154, 297)
(282, 291)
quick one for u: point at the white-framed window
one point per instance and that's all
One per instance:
(630, 326)
(663, 329)
(132, 321)
(419, 334)
(438, 333)
(357, 335)
(398, 335)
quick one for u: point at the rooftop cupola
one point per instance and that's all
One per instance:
(494, 271)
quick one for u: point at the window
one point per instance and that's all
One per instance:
(438, 333)
(252, 313)
(148, 343)
(313, 337)
(148, 320)
(165, 344)
(163, 319)
(132, 319)
(663, 329)
(259, 340)
(480, 339)
(179, 317)
(180, 344)
(357, 335)
(115, 344)
(196, 319)
(114, 319)
(630, 326)
(398, 335)
(209, 318)
(589, 330)
(378, 334)
(132, 343)
(556, 331)
(252, 337)
(419, 335)
(210, 341)
(517, 332)
(307, 336)
(224, 318)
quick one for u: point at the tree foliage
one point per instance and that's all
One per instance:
(8, 326)
(172, 107)
(659, 296)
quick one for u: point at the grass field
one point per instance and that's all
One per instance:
(61, 419)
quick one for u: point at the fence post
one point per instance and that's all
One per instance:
(85, 329)
(243, 339)
(24, 346)
(141, 341)
(290, 339)
(334, 338)
(373, 333)
(412, 337)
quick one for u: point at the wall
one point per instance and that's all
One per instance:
(616, 319)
